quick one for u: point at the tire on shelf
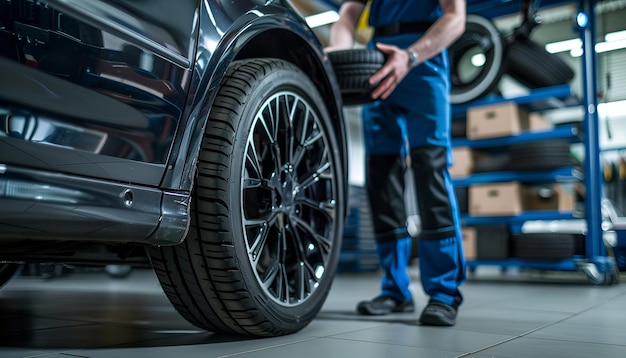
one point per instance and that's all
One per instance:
(530, 64)
(548, 246)
(481, 39)
(540, 155)
(353, 68)
(266, 211)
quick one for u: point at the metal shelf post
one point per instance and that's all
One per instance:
(596, 252)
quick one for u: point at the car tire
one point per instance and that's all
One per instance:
(470, 82)
(550, 246)
(534, 67)
(353, 68)
(7, 272)
(540, 155)
(267, 208)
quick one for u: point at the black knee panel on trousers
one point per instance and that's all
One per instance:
(428, 165)
(385, 189)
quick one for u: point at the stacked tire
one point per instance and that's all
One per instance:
(483, 40)
(540, 155)
(353, 68)
(482, 55)
(547, 246)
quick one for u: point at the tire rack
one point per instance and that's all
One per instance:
(596, 263)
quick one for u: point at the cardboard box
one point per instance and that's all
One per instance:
(462, 162)
(548, 198)
(498, 120)
(538, 123)
(469, 242)
(499, 199)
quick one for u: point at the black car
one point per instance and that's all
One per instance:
(202, 138)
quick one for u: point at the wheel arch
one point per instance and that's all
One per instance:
(284, 38)
(296, 48)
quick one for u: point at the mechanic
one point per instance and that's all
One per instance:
(408, 127)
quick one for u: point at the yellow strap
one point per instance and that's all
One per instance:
(363, 31)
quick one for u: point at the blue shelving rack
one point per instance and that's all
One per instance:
(596, 263)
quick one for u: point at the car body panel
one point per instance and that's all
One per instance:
(74, 87)
(103, 115)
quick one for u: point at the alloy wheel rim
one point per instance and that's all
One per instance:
(288, 198)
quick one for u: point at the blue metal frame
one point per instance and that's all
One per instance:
(561, 265)
(561, 175)
(516, 221)
(564, 131)
(537, 100)
(555, 97)
(595, 249)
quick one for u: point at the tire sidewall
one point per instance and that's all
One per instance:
(293, 80)
(488, 80)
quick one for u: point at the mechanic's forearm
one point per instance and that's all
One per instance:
(342, 31)
(341, 36)
(443, 32)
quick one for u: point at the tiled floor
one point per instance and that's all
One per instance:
(508, 314)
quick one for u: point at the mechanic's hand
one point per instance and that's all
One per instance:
(393, 71)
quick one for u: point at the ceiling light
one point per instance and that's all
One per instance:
(612, 108)
(610, 46)
(614, 41)
(478, 60)
(601, 47)
(615, 36)
(562, 46)
(321, 19)
(576, 52)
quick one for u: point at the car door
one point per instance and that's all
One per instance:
(94, 88)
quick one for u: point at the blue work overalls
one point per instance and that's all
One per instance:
(414, 121)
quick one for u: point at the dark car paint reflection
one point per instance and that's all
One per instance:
(89, 89)
(104, 103)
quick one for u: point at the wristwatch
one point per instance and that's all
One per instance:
(413, 58)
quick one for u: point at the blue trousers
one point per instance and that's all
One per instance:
(410, 131)
(441, 258)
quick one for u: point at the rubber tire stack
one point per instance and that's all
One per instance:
(353, 68)
(519, 57)
(540, 155)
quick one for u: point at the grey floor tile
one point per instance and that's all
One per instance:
(189, 347)
(331, 323)
(505, 314)
(597, 333)
(557, 298)
(505, 320)
(443, 338)
(536, 348)
(335, 348)
(79, 337)
(27, 323)
(21, 353)
(611, 313)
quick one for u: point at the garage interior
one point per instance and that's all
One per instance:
(520, 300)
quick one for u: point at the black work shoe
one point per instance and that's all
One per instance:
(438, 314)
(383, 305)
